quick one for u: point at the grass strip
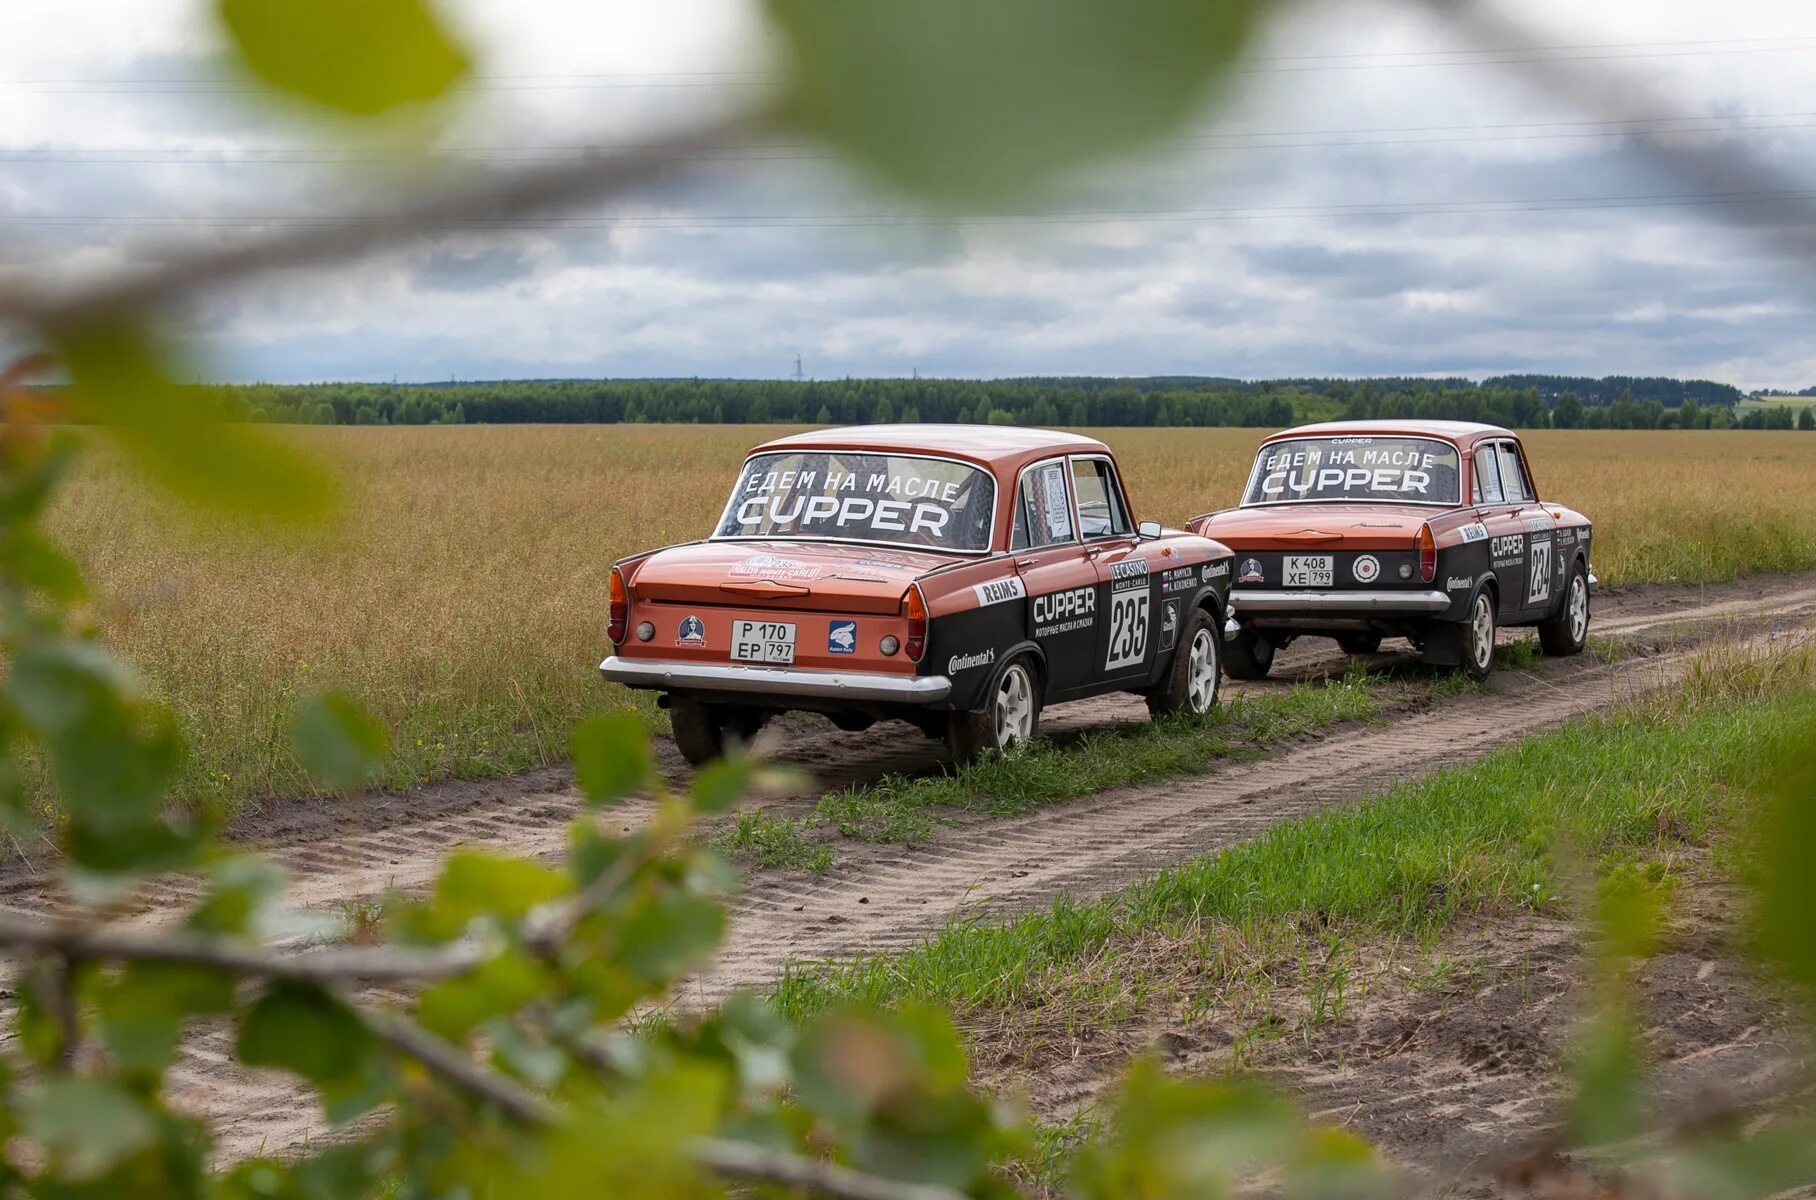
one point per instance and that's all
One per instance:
(899, 808)
(1469, 839)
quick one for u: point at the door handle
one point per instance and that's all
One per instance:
(1022, 564)
(1094, 551)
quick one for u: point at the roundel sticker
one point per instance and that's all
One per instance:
(1367, 568)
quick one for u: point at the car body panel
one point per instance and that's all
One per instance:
(1098, 613)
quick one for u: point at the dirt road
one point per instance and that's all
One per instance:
(888, 897)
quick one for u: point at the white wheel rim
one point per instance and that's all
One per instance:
(1483, 627)
(1201, 672)
(1014, 709)
(1579, 608)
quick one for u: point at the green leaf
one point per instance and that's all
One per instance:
(670, 934)
(122, 380)
(963, 100)
(611, 756)
(244, 885)
(1609, 1103)
(358, 57)
(1788, 887)
(30, 558)
(454, 1008)
(144, 1010)
(719, 785)
(299, 1027)
(86, 1124)
(338, 742)
(474, 883)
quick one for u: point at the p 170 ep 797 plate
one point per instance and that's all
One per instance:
(763, 641)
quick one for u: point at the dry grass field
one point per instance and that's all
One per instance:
(461, 592)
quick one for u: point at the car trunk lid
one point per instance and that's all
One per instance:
(791, 575)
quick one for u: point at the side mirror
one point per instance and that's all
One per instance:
(1148, 529)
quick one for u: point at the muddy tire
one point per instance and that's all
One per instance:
(704, 732)
(1248, 656)
(1568, 632)
(1478, 636)
(1360, 642)
(1010, 717)
(1196, 676)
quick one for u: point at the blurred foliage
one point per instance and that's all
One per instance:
(961, 101)
(510, 1070)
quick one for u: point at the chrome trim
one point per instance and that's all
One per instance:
(1231, 628)
(777, 681)
(1350, 601)
(995, 503)
(1593, 581)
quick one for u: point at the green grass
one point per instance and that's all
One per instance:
(774, 841)
(1468, 840)
(897, 808)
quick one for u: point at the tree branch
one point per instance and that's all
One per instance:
(753, 1164)
(508, 198)
(452, 1064)
(1780, 204)
(380, 964)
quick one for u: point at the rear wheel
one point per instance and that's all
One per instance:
(1568, 632)
(1010, 717)
(1361, 642)
(1248, 655)
(704, 732)
(1478, 636)
(1197, 672)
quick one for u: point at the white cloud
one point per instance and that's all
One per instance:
(1289, 285)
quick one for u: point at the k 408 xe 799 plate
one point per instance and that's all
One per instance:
(1307, 570)
(763, 641)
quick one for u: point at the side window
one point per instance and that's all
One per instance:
(1043, 511)
(1487, 478)
(1513, 476)
(1100, 511)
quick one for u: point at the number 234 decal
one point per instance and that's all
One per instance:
(1128, 629)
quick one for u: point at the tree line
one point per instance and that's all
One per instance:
(1060, 401)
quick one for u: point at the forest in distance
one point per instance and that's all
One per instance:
(1516, 401)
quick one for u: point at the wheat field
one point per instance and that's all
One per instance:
(460, 592)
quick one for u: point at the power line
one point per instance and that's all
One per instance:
(701, 222)
(803, 152)
(1290, 64)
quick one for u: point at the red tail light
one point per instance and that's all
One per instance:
(915, 609)
(621, 608)
(1428, 554)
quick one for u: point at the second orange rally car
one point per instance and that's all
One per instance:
(1430, 530)
(960, 577)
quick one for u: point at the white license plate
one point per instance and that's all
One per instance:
(1307, 570)
(762, 641)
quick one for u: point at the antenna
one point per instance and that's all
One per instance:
(797, 373)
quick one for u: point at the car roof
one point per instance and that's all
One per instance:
(1001, 447)
(1453, 431)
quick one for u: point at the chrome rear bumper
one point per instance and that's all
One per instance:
(1257, 603)
(778, 681)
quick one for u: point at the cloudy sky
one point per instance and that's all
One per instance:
(1369, 202)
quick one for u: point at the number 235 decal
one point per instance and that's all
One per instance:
(1128, 629)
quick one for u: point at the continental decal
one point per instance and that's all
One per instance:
(964, 662)
(1216, 570)
(999, 590)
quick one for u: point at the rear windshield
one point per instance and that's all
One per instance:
(1406, 469)
(863, 496)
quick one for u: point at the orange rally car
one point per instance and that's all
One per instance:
(1430, 530)
(957, 577)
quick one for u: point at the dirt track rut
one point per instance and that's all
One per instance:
(889, 898)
